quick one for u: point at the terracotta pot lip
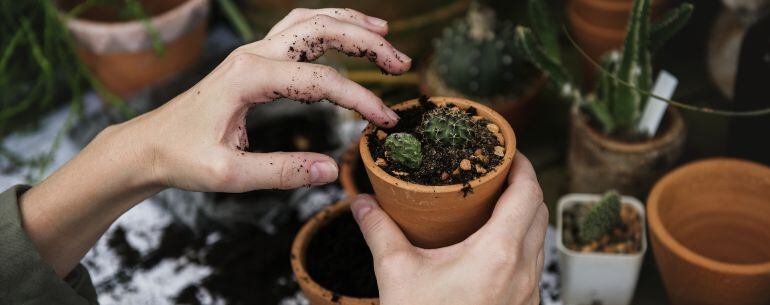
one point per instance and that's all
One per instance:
(188, 5)
(534, 86)
(348, 168)
(505, 128)
(581, 198)
(302, 240)
(617, 6)
(578, 20)
(669, 135)
(659, 230)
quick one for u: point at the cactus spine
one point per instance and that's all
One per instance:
(617, 101)
(477, 57)
(449, 126)
(404, 149)
(601, 218)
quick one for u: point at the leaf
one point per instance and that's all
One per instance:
(668, 25)
(544, 27)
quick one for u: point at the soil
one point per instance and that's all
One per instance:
(624, 238)
(438, 159)
(339, 260)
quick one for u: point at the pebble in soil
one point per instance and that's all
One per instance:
(440, 163)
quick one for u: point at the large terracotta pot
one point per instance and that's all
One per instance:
(120, 53)
(710, 230)
(597, 162)
(438, 216)
(315, 293)
(517, 110)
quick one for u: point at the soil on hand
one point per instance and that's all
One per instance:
(441, 164)
(339, 260)
(624, 238)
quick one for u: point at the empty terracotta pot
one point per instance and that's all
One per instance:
(438, 216)
(315, 293)
(120, 53)
(710, 230)
(597, 162)
(517, 110)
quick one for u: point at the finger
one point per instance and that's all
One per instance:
(380, 232)
(535, 237)
(245, 171)
(515, 211)
(309, 39)
(298, 15)
(257, 79)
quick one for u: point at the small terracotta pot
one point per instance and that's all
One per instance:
(439, 216)
(316, 294)
(120, 54)
(517, 110)
(710, 230)
(597, 162)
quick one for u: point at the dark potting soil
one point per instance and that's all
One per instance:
(437, 158)
(338, 259)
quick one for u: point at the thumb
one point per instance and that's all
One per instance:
(382, 234)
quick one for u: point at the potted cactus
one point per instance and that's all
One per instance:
(606, 149)
(601, 242)
(439, 171)
(476, 58)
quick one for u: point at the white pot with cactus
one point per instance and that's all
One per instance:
(601, 241)
(608, 149)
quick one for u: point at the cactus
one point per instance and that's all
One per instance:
(476, 56)
(449, 126)
(618, 102)
(404, 149)
(601, 218)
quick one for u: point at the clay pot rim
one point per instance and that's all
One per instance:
(505, 128)
(577, 20)
(348, 169)
(616, 6)
(581, 198)
(534, 86)
(301, 242)
(659, 230)
(669, 134)
(171, 14)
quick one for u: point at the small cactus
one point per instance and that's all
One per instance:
(601, 218)
(404, 149)
(449, 126)
(476, 56)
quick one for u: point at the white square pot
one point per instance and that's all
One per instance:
(588, 277)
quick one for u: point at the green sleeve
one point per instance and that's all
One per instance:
(25, 278)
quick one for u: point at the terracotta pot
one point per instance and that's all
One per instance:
(120, 54)
(438, 216)
(352, 171)
(600, 25)
(710, 230)
(517, 110)
(316, 294)
(596, 162)
(597, 278)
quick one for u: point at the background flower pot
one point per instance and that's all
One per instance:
(120, 53)
(586, 278)
(517, 110)
(438, 216)
(597, 162)
(316, 294)
(352, 173)
(710, 230)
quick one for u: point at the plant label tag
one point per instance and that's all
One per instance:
(655, 109)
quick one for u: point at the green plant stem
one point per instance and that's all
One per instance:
(237, 20)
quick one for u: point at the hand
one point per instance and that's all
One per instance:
(197, 140)
(499, 264)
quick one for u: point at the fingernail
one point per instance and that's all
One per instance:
(376, 21)
(322, 172)
(391, 115)
(401, 56)
(361, 205)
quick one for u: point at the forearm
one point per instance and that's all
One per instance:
(67, 213)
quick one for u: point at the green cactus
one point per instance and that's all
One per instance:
(617, 103)
(476, 56)
(404, 149)
(449, 126)
(601, 218)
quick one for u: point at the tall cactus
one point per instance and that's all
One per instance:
(617, 100)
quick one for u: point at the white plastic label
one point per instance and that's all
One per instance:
(655, 109)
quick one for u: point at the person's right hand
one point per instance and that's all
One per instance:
(499, 264)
